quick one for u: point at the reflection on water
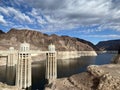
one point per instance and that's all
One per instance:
(7, 75)
(38, 75)
(104, 58)
(10, 75)
(65, 68)
(3, 74)
(73, 66)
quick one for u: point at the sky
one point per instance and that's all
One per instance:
(92, 20)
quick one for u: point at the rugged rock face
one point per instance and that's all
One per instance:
(6, 87)
(41, 41)
(105, 77)
(116, 59)
(108, 75)
(109, 45)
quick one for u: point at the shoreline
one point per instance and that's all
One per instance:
(92, 73)
(60, 55)
(97, 77)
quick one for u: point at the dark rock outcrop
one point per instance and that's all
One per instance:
(41, 41)
(116, 59)
(1, 32)
(109, 45)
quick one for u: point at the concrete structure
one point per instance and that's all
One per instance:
(23, 56)
(51, 64)
(11, 60)
(23, 72)
(12, 57)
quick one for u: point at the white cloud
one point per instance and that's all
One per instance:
(110, 26)
(76, 13)
(34, 12)
(19, 16)
(68, 14)
(38, 17)
(16, 14)
(4, 11)
(113, 36)
(40, 20)
(2, 20)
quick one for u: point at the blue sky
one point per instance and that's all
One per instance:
(92, 20)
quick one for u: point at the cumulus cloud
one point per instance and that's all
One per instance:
(16, 14)
(114, 36)
(72, 13)
(2, 20)
(73, 8)
(55, 15)
(39, 18)
(102, 37)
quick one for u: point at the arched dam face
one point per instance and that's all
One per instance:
(65, 68)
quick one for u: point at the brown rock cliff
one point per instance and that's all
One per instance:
(41, 41)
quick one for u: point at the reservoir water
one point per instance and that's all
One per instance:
(65, 68)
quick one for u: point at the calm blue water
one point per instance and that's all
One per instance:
(65, 68)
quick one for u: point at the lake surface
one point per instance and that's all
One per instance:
(65, 68)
